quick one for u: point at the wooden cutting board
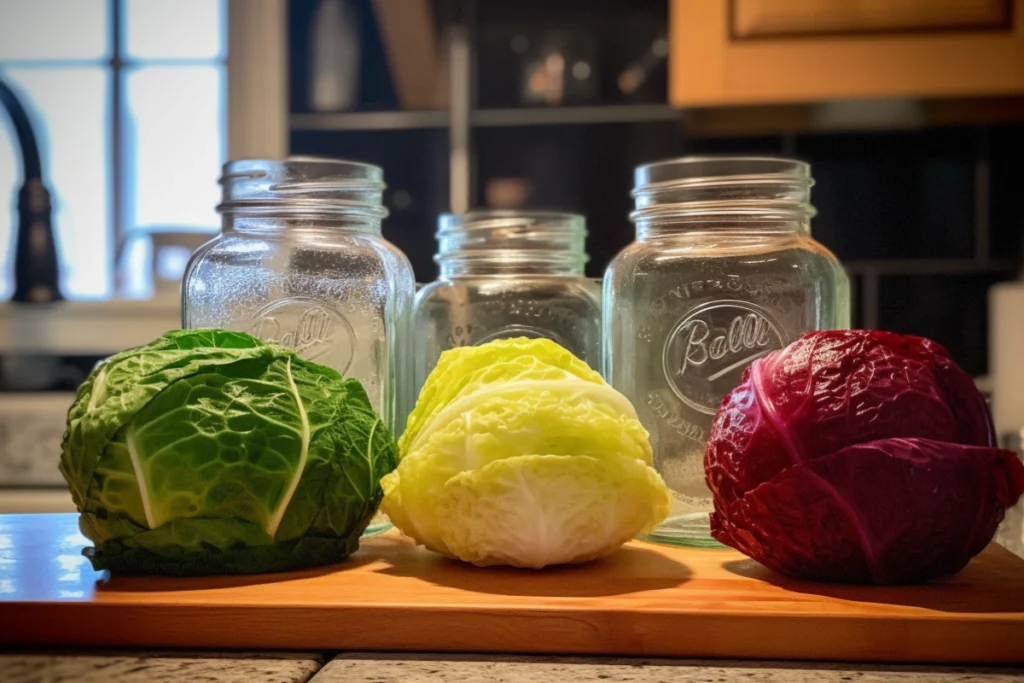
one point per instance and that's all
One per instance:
(644, 600)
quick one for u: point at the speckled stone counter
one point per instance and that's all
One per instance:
(165, 667)
(496, 669)
(159, 667)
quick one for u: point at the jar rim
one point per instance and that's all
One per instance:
(706, 188)
(709, 169)
(303, 185)
(544, 238)
(552, 222)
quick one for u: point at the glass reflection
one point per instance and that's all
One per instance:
(41, 559)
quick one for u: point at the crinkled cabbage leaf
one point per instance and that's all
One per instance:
(858, 456)
(212, 452)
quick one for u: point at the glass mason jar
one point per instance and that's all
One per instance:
(508, 274)
(723, 270)
(300, 261)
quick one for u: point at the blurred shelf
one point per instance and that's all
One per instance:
(849, 116)
(707, 122)
(370, 120)
(547, 116)
(539, 116)
(85, 327)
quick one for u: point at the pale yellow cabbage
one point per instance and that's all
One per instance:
(518, 453)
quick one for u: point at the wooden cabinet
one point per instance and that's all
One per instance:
(733, 52)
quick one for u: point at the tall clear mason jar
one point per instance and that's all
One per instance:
(507, 274)
(723, 270)
(301, 261)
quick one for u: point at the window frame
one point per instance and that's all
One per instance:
(119, 65)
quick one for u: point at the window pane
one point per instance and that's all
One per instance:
(175, 145)
(70, 113)
(53, 29)
(189, 29)
(10, 175)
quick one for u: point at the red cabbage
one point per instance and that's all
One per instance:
(858, 456)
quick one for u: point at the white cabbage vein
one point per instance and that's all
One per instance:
(275, 520)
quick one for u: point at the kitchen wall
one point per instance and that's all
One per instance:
(923, 217)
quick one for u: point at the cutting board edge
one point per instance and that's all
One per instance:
(421, 609)
(658, 634)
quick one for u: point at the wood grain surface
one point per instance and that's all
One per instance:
(708, 68)
(644, 600)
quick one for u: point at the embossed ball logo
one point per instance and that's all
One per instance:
(708, 349)
(313, 328)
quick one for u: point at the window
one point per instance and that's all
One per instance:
(128, 100)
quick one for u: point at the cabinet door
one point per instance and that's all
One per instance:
(764, 51)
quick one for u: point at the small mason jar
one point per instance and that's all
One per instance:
(723, 271)
(300, 261)
(508, 274)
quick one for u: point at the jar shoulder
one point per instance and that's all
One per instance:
(627, 257)
(644, 272)
(483, 288)
(396, 263)
(215, 243)
(371, 253)
(682, 250)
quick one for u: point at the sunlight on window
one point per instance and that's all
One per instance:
(174, 141)
(183, 29)
(54, 30)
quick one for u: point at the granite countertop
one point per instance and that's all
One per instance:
(242, 667)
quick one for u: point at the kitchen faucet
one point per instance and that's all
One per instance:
(36, 273)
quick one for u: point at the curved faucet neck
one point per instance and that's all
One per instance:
(31, 165)
(36, 266)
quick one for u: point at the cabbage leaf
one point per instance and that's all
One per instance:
(212, 452)
(518, 453)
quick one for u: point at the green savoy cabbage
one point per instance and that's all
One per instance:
(209, 452)
(518, 453)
